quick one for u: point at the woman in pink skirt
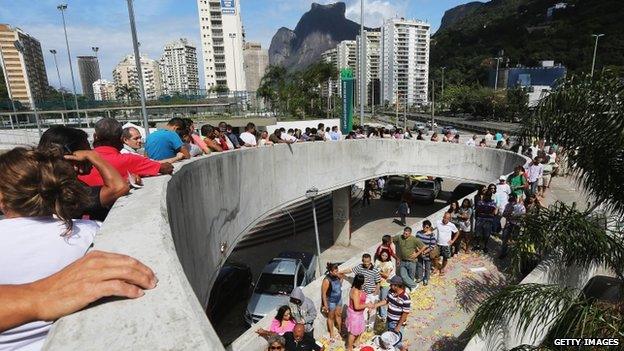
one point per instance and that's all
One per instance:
(355, 314)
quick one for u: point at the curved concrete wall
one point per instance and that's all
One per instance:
(186, 225)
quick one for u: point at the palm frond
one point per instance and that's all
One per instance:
(570, 236)
(533, 306)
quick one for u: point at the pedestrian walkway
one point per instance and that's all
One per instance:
(442, 310)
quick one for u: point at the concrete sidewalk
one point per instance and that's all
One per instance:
(442, 310)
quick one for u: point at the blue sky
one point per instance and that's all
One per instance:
(104, 23)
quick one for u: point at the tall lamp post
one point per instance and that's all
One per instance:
(432, 104)
(58, 74)
(137, 61)
(442, 90)
(8, 87)
(95, 49)
(20, 47)
(595, 50)
(362, 58)
(233, 37)
(498, 60)
(311, 194)
(62, 8)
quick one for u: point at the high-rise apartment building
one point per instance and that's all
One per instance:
(372, 46)
(179, 68)
(346, 55)
(125, 73)
(104, 90)
(89, 70)
(405, 61)
(222, 37)
(256, 63)
(18, 64)
(331, 56)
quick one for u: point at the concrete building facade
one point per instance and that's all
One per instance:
(104, 90)
(19, 66)
(372, 46)
(256, 63)
(405, 61)
(89, 69)
(222, 38)
(125, 74)
(179, 68)
(331, 56)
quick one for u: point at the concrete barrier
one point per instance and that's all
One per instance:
(186, 225)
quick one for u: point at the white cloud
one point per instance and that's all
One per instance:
(375, 11)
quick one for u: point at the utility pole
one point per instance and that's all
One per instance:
(62, 8)
(58, 73)
(372, 97)
(442, 92)
(233, 37)
(397, 108)
(432, 103)
(405, 113)
(137, 61)
(362, 58)
(595, 50)
(498, 59)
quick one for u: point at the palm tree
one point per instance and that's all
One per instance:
(126, 92)
(586, 117)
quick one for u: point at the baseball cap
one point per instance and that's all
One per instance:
(502, 178)
(396, 280)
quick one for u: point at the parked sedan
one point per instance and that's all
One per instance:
(448, 129)
(394, 187)
(463, 190)
(233, 284)
(424, 191)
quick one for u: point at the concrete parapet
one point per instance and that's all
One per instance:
(185, 226)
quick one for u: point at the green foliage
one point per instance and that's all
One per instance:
(127, 93)
(298, 93)
(521, 30)
(485, 103)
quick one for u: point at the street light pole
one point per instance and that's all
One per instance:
(362, 58)
(442, 92)
(233, 37)
(595, 49)
(62, 8)
(20, 48)
(432, 104)
(95, 50)
(8, 87)
(137, 61)
(58, 74)
(496, 76)
(311, 194)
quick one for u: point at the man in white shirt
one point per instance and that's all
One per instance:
(534, 170)
(472, 141)
(249, 135)
(288, 137)
(503, 190)
(488, 136)
(447, 234)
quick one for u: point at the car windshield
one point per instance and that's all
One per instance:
(424, 185)
(396, 182)
(275, 284)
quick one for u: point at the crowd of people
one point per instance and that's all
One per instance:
(54, 197)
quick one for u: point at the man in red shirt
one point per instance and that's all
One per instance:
(107, 142)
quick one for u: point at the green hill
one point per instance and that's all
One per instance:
(474, 33)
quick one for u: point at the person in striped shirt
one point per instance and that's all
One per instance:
(430, 240)
(372, 281)
(399, 306)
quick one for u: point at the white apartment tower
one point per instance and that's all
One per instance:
(222, 37)
(104, 90)
(346, 55)
(405, 61)
(331, 56)
(125, 73)
(372, 47)
(178, 66)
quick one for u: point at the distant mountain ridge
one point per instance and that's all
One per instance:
(472, 34)
(318, 30)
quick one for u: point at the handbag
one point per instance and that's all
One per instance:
(435, 252)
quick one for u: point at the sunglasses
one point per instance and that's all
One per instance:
(276, 348)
